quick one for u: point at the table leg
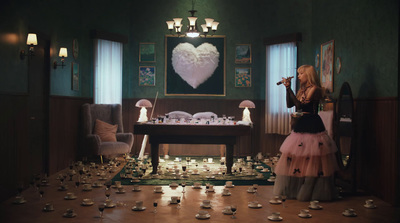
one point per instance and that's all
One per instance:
(154, 157)
(229, 158)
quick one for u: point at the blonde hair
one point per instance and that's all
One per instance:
(312, 76)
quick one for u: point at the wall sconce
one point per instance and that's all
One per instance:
(63, 54)
(31, 41)
(246, 104)
(143, 104)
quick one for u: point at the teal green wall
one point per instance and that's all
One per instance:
(365, 34)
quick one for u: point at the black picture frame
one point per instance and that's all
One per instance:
(213, 86)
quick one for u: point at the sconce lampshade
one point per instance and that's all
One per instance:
(63, 52)
(31, 39)
(247, 104)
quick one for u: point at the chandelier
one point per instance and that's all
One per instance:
(192, 30)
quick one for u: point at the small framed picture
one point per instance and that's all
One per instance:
(75, 76)
(243, 77)
(147, 52)
(243, 54)
(326, 66)
(147, 75)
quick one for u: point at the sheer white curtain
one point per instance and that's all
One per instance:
(281, 62)
(107, 72)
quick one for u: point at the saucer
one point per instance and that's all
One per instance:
(252, 206)
(173, 202)
(19, 202)
(231, 186)
(210, 190)
(275, 201)
(138, 209)
(226, 194)
(210, 177)
(275, 219)
(62, 188)
(173, 185)
(265, 170)
(227, 212)
(66, 215)
(136, 190)
(251, 191)
(196, 187)
(206, 207)
(120, 192)
(87, 203)
(315, 208)
(305, 215)
(48, 209)
(158, 191)
(87, 189)
(370, 206)
(196, 173)
(272, 180)
(207, 216)
(349, 215)
(259, 167)
(70, 198)
(109, 205)
(97, 185)
(135, 181)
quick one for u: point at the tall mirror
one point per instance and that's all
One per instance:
(345, 139)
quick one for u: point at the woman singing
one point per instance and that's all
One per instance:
(306, 168)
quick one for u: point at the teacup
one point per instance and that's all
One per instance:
(251, 189)
(118, 184)
(349, 211)
(210, 160)
(206, 203)
(176, 159)
(253, 203)
(314, 204)
(158, 188)
(304, 212)
(228, 183)
(197, 184)
(174, 184)
(120, 189)
(108, 202)
(203, 213)
(87, 186)
(195, 171)
(225, 191)
(260, 175)
(139, 204)
(70, 212)
(19, 199)
(87, 201)
(227, 209)
(49, 206)
(205, 160)
(211, 188)
(369, 203)
(70, 195)
(275, 215)
(136, 187)
(174, 199)
(248, 158)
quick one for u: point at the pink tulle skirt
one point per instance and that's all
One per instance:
(307, 155)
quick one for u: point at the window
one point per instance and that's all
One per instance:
(107, 72)
(281, 62)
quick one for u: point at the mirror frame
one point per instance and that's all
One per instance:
(337, 134)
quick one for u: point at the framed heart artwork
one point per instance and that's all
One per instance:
(195, 66)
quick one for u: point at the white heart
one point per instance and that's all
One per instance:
(195, 65)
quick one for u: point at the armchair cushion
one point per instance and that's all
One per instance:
(107, 132)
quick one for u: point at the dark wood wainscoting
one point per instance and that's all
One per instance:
(377, 147)
(64, 130)
(16, 165)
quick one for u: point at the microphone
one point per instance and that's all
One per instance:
(281, 82)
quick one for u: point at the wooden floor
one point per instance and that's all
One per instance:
(32, 210)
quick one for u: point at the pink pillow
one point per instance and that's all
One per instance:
(107, 132)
